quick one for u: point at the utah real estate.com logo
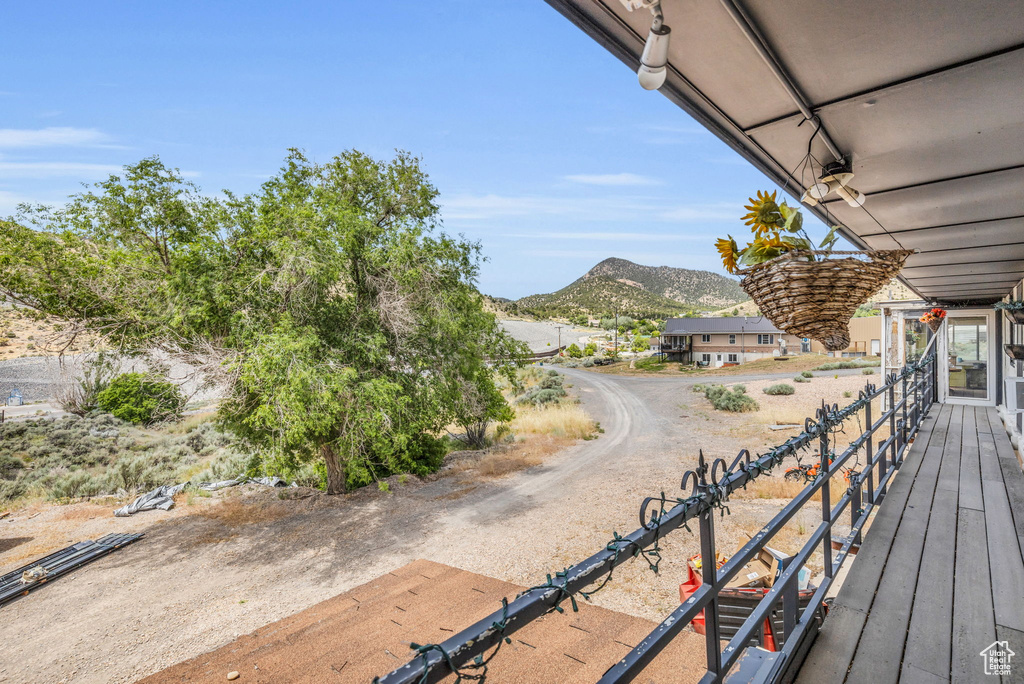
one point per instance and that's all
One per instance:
(997, 658)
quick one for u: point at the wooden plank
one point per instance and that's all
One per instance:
(970, 463)
(834, 648)
(987, 451)
(973, 616)
(1015, 640)
(880, 650)
(1013, 478)
(1005, 559)
(931, 624)
(949, 472)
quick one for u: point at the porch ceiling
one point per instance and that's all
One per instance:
(925, 96)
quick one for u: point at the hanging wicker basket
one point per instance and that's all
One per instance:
(935, 325)
(817, 299)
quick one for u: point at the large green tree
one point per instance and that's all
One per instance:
(342, 323)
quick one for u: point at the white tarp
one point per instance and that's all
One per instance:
(161, 498)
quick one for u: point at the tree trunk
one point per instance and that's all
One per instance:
(335, 470)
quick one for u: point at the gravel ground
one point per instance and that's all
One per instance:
(208, 572)
(544, 336)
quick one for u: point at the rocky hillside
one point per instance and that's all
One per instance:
(701, 289)
(601, 296)
(636, 290)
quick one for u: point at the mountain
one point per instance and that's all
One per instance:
(635, 290)
(701, 289)
(601, 295)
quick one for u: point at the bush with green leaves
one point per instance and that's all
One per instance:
(779, 389)
(800, 378)
(807, 374)
(868, 371)
(75, 457)
(734, 400)
(640, 344)
(843, 365)
(590, 349)
(141, 399)
(573, 351)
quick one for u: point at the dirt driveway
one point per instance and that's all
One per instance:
(199, 580)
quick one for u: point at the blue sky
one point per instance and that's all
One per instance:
(543, 145)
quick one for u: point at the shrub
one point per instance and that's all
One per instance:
(75, 485)
(843, 365)
(590, 349)
(574, 352)
(734, 400)
(551, 382)
(807, 374)
(780, 389)
(800, 378)
(588, 362)
(847, 394)
(868, 371)
(640, 344)
(141, 399)
(79, 393)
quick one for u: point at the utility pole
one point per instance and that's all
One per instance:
(559, 338)
(616, 353)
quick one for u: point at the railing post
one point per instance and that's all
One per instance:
(856, 507)
(893, 432)
(826, 499)
(709, 575)
(904, 433)
(870, 450)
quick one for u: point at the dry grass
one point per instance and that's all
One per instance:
(233, 512)
(776, 487)
(791, 366)
(511, 458)
(563, 420)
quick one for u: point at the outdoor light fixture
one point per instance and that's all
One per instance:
(835, 177)
(654, 61)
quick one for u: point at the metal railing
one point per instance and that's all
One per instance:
(909, 394)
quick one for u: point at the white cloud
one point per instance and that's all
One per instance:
(623, 208)
(66, 169)
(614, 237)
(618, 179)
(55, 169)
(54, 136)
(721, 211)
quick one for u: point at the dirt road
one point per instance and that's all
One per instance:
(197, 581)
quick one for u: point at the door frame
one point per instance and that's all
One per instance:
(991, 362)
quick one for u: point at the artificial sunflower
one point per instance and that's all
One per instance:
(765, 215)
(729, 251)
(777, 228)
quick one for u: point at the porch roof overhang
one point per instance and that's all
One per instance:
(925, 97)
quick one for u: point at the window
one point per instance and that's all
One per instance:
(706, 358)
(732, 339)
(766, 339)
(718, 357)
(733, 358)
(705, 338)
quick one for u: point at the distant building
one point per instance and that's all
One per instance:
(738, 339)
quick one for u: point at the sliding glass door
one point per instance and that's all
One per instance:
(969, 352)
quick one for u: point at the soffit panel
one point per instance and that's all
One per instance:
(833, 49)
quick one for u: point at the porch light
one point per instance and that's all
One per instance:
(654, 60)
(835, 177)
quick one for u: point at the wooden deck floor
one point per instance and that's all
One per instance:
(940, 575)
